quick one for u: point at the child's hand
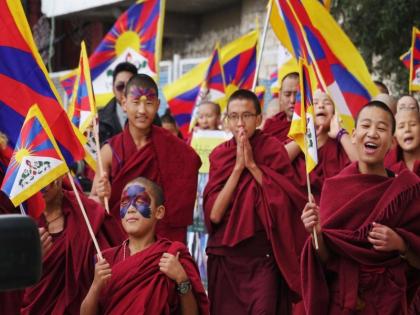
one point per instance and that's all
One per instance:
(103, 187)
(46, 241)
(102, 275)
(310, 217)
(172, 268)
(386, 239)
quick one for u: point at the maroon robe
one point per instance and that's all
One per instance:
(332, 158)
(278, 126)
(260, 234)
(350, 202)
(166, 160)
(68, 267)
(137, 286)
(394, 161)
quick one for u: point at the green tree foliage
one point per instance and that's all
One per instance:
(381, 29)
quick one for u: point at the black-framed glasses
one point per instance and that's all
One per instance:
(247, 116)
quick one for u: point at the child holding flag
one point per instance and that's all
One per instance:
(145, 275)
(368, 230)
(143, 149)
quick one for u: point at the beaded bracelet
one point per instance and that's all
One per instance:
(341, 133)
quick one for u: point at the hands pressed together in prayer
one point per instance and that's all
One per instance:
(169, 264)
(244, 155)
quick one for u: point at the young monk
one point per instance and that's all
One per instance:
(67, 267)
(143, 149)
(279, 125)
(145, 275)
(407, 134)
(208, 116)
(368, 229)
(335, 150)
(407, 102)
(252, 234)
(169, 123)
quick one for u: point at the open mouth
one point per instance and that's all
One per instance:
(408, 140)
(321, 115)
(371, 147)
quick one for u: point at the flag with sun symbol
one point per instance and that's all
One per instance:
(136, 37)
(36, 160)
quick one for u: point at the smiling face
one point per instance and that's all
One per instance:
(138, 210)
(141, 105)
(242, 115)
(372, 136)
(324, 110)
(407, 132)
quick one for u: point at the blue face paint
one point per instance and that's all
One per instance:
(135, 196)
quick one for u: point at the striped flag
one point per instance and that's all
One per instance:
(136, 37)
(414, 61)
(36, 160)
(302, 128)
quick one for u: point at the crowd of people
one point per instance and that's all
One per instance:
(353, 247)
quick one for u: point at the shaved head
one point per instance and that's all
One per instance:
(152, 188)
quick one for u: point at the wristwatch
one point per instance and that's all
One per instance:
(184, 287)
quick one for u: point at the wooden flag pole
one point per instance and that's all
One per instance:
(82, 208)
(308, 184)
(99, 159)
(264, 36)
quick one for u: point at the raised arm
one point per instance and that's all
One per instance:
(102, 275)
(341, 135)
(225, 195)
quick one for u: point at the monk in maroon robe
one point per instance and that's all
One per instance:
(152, 152)
(68, 265)
(368, 230)
(145, 275)
(335, 150)
(254, 237)
(407, 152)
(279, 125)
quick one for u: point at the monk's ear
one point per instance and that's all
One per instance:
(160, 212)
(353, 136)
(124, 102)
(394, 143)
(259, 120)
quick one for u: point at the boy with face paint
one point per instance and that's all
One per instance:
(68, 251)
(253, 235)
(407, 134)
(146, 150)
(145, 275)
(368, 229)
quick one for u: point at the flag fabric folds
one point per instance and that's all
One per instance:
(25, 80)
(414, 61)
(302, 128)
(136, 37)
(220, 75)
(406, 58)
(315, 36)
(36, 160)
(82, 108)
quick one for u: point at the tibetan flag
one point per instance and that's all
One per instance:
(136, 37)
(302, 128)
(316, 37)
(274, 84)
(204, 82)
(406, 58)
(36, 160)
(414, 82)
(82, 107)
(239, 59)
(25, 81)
(260, 92)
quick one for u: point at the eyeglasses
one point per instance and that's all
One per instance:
(234, 117)
(120, 86)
